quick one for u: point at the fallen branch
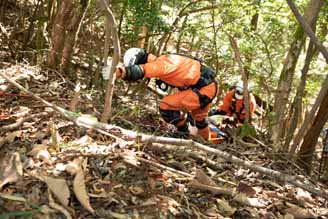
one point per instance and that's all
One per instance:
(163, 167)
(131, 135)
(184, 152)
(20, 122)
(213, 189)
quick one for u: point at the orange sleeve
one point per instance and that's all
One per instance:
(226, 102)
(154, 69)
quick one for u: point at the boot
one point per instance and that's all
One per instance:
(204, 132)
(210, 135)
(182, 129)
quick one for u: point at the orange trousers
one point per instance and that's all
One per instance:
(188, 101)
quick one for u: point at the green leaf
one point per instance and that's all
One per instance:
(13, 197)
(247, 130)
(19, 214)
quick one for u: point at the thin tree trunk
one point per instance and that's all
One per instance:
(181, 32)
(73, 29)
(31, 26)
(305, 155)
(243, 76)
(125, 4)
(287, 73)
(107, 113)
(143, 37)
(57, 35)
(307, 28)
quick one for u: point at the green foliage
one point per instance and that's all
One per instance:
(247, 130)
(142, 12)
(16, 214)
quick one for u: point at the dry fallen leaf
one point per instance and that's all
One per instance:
(59, 208)
(298, 212)
(10, 170)
(80, 191)
(201, 177)
(244, 188)
(40, 151)
(289, 216)
(9, 137)
(243, 199)
(136, 190)
(225, 208)
(72, 168)
(303, 196)
(59, 188)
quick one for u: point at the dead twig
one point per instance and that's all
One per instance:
(213, 189)
(20, 122)
(163, 167)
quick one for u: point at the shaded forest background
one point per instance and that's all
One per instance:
(75, 40)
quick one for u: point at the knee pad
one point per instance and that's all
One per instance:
(201, 124)
(170, 116)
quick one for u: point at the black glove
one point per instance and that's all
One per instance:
(230, 120)
(133, 73)
(213, 112)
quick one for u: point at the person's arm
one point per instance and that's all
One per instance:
(130, 73)
(224, 108)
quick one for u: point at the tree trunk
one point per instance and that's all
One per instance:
(73, 29)
(57, 35)
(296, 109)
(287, 73)
(125, 4)
(64, 32)
(107, 113)
(234, 45)
(143, 38)
(181, 32)
(305, 155)
(310, 116)
(307, 28)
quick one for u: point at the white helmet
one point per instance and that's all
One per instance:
(135, 56)
(239, 90)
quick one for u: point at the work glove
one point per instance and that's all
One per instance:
(213, 112)
(230, 120)
(120, 72)
(129, 73)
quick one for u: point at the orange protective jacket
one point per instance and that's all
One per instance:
(175, 70)
(234, 107)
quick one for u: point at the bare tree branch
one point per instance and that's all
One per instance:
(308, 30)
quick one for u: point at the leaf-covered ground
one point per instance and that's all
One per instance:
(51, 168)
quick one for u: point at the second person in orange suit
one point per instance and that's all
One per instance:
(195, 83)
(233, 104)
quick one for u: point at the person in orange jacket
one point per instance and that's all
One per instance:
(233, 104)
(195, 83)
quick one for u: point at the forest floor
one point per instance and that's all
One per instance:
(52, 168)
